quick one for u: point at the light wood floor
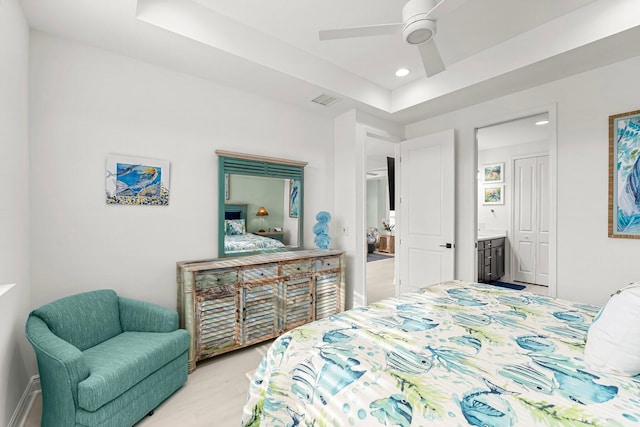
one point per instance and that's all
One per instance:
(537, 289)
(214, 394)
(380, 280)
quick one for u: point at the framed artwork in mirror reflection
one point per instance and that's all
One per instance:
(294, 198)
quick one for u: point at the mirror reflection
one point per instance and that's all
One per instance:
(261, 213)
(260, 204)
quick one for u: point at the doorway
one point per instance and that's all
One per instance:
(380, 280)
(514, 194)
(426, 216)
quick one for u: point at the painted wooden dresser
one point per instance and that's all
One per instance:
(230, 303)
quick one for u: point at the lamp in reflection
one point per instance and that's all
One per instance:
(262, 212)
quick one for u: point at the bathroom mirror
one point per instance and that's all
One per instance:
(260, 204)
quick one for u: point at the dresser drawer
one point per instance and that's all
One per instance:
(217, 291)
(264, 271)
(208, 279)
(297, 268)
(327, 263)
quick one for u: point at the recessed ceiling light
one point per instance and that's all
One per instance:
(402, 72)
(542, 122)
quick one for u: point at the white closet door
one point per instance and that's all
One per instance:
(530, 243)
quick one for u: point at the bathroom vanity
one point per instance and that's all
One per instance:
(491, 254)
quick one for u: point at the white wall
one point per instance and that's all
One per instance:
(87, 103)
(590, 265)
(16, 358)
(346, 155)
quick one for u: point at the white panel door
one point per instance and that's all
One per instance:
(427, 211)
(542, 221)
(530, 243)
(524, 220)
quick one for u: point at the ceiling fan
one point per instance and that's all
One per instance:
(418, 28)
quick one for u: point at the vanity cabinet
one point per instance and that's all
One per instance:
(490, 259)
(231, 303)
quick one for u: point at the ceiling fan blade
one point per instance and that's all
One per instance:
(445, 7)
(431, 58)
(367, 31)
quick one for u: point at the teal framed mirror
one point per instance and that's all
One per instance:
(260, 204)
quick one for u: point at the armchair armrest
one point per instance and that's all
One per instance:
(142, 316)
(61, 367)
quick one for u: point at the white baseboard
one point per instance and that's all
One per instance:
(26, 402)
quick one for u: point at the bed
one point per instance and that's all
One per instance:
(248, 242)
(455, 354)
(237, 239)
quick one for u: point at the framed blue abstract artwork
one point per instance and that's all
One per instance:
(624, 175)
(137, 181)
(294, 198)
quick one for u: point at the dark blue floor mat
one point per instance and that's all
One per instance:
(508, 285)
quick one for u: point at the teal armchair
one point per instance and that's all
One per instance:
(105, 360)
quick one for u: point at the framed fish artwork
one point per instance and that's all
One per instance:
(137, 181)
(624, 175)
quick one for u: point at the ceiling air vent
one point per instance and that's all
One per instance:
(325, 99)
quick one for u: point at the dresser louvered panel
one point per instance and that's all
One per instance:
(327, 295)
(328, 298)
(216, 314)
(260, 312)
(230, 303)
(297, 304)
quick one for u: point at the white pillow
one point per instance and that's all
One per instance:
(613, 339)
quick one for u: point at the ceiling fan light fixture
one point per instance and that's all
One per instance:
(419, 31)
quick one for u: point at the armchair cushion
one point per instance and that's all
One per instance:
(83, 320)
(118, 364)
